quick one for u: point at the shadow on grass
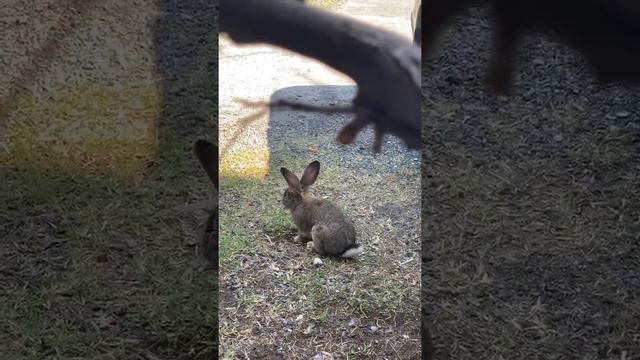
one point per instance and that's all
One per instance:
(529, 206)
(93, 265)
(186, 46)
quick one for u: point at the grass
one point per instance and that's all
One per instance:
(534, 236)
(233, 241)
(98, 261)
(271, 290)
(242, 223)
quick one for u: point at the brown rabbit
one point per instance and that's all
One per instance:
(320, 221)
(207, 154)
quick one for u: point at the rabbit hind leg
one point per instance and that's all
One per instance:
(319, 235)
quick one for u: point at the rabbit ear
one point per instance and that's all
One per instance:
(290, 178)
(310, 174)
(207, 154)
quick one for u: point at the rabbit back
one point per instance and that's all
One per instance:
(325, 220)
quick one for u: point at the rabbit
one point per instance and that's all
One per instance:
(317, 220)
(207, 154)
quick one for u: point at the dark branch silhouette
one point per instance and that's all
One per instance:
(605, 32)
(385, 66)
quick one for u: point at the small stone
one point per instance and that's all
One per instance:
(314, 149)
(308, 330)
(373, 328)
(558, 137)
(622, 114)
(353, 322)
(317, 262)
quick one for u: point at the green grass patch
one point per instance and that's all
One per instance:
(254, 203)
(233, 239)
(312, 286)
(279, 221)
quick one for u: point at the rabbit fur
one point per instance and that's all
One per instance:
(317, 220)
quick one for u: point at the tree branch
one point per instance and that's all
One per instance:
(385, 66)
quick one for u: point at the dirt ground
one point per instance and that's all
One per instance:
(95, 261)
(274, 303)
(531, 206)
